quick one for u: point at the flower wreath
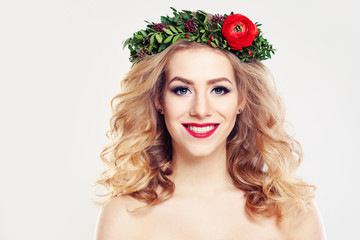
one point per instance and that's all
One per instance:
(235, 33)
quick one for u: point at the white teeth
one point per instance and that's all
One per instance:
(201, 129)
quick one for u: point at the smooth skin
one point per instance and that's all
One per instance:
(200, 88)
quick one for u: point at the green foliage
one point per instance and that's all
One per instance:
(150, 41)
(173, 29)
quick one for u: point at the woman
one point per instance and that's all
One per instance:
(198, 149)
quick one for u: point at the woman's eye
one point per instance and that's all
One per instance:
(220, 90)
(180, 90)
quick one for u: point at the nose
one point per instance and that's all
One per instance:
(201, 106)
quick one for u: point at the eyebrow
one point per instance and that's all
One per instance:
(210, 82)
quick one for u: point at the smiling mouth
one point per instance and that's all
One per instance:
(201, 130)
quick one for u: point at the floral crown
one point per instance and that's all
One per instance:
(235, 33)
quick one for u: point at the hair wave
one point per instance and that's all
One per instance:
(261, 156)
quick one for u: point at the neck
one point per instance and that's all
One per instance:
(200, 175)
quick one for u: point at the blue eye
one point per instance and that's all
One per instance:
(220, 90)
(180, 90)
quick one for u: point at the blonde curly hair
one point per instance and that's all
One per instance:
(261, 156)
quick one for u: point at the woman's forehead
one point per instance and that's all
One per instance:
(199, 63)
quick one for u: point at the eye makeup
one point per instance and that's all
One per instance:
(183, 90)
(220, 90)
(180, 90)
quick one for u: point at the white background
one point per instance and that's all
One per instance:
(61, 63)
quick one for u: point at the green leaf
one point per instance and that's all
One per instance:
(185, 16)
(213, 44)
(167, 31)
(176, 15)
(179, 29)
(138, 37)
(159, 37)
(206, 19)
(200, 15)
(162, 47)
(173, 29)
(164, 19)
(203, 37)
(187, 12)
(143, 33)
(175, 38)
(168, 39)
(152, 39)
(127, 41)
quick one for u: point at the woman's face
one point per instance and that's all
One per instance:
(200, 101)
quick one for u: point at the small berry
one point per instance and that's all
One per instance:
(217, 18)
(212, 38)
(250, 53)
(159, 26)
(191, 26)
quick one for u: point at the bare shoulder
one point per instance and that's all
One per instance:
(114, 220)
(307, 226)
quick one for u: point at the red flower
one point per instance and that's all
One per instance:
(250, 53)
(239, 31)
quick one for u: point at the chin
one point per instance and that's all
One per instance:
(201, 151)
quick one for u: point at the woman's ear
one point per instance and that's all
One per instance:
(241, 105)
(158, 105)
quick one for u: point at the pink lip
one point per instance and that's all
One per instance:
(200, 135)
(200, 124)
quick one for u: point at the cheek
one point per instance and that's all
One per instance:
(229, 114)
(169, 105)
(174, 104)
(173, 109)
(228, 107)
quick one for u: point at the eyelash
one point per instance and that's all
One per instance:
(177, 89)
(223, 89)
